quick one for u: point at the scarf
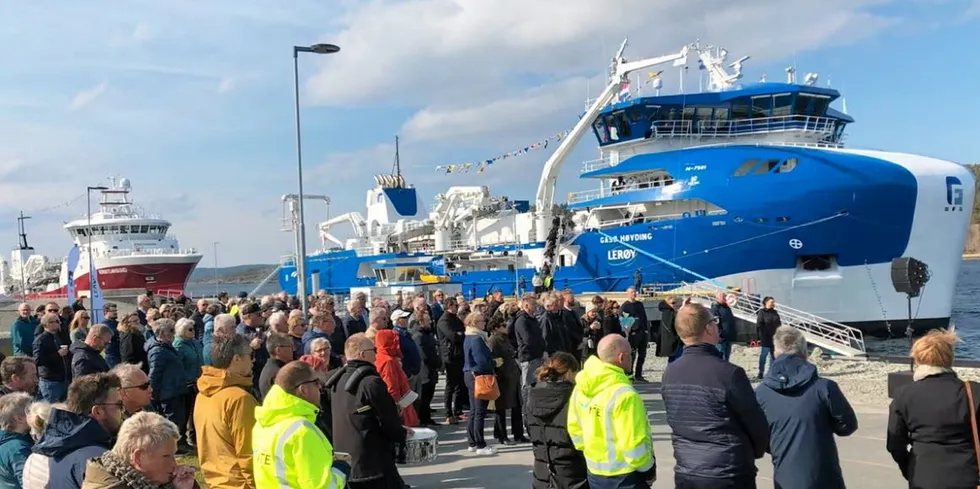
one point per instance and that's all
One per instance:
(122, 470)
(479, 332)
(923, 371)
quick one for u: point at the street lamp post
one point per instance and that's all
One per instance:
(301, 247)
(88, 232)
(215, 244)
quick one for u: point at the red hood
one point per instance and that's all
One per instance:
(386, 342)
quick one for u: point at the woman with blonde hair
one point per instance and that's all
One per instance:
(477, 360)
(78, 327)
(930, 430)
(556, 461)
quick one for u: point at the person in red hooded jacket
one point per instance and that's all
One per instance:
(389, 367)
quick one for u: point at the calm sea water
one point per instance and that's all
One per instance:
(966, 312)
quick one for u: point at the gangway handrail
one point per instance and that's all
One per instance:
(831, 331)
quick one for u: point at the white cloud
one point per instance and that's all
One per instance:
(141, 33)
(227, 84)
(973, 11)
(453, 50)
(86, 97)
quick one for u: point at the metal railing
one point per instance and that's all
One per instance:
(823, 332)
(804, 123)
(598, 164)
(145, 252)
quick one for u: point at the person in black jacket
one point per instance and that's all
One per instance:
(717, 426)
(669, 345)
(132, 343)
(366, 423)
(508, 374)
(49, 356)
(557, 464)
(531, 344)
(929, 433)
(280, 348)
(450, 331)
(804, 412)
(557, 335)
(87, 355)
(425, 382)
(728, 331)
(639, 334)
(766, 322)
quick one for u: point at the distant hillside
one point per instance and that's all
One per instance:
(973, 238)
(241, 274)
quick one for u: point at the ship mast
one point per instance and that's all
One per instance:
(22, 232)
(397, 170)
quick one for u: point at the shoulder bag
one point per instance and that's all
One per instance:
(485, 387)
(973, 423)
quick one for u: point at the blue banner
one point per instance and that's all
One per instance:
(72, 264)
(96, 300)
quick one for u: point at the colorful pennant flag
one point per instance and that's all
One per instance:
(482, 165)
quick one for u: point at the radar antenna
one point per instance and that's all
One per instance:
(22, 231)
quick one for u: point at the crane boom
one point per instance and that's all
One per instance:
(545, 198)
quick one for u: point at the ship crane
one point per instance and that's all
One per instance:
(619, 71)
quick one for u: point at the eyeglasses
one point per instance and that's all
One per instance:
(144, 386)
(322, 350)
(53, 310)
(317, 381)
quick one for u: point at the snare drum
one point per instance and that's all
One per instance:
(420, 448)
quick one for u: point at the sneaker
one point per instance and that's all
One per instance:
(507, 442)
(487, 450)
(472, 449)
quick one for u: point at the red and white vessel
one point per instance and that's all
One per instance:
(132, 251)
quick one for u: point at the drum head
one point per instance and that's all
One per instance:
(422, 434)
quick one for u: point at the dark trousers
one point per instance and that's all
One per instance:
(640, 355)
(455, 391)
(516, 423)
(426, 387)
(478, 415)
(682, 481)
(173, 409)
(187, 433)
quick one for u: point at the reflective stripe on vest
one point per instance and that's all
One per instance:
(614, 464)
(335, 475)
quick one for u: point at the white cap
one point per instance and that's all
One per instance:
(398, 314)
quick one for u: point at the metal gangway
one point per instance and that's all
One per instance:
(829, 335)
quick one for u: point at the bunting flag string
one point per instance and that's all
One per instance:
(61, 205)
(482, 165)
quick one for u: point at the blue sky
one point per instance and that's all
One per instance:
(192, 101)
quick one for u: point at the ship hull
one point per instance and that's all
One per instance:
(133, 275)
(855, 210)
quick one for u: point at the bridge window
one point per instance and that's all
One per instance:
(761, 106)
(745, 168)
(766, 167)
(787, 166)
(782, 104)
(721, 114)
(811, 104)
(740, 110)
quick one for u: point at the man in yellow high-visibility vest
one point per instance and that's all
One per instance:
(607, 420)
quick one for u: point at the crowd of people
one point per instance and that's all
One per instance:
(267, 396)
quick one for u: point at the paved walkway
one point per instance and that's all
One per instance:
(864, 460)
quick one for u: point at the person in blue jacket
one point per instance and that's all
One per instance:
(804, 412)
(477, 360)
(167, 373)
(22, 331)
(15, 438)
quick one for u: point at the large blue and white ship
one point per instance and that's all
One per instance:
(750, 186)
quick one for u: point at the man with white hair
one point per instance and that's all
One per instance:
(804, 411)
(135, 390)
(22, 331)
(277, 322)
(143, 304)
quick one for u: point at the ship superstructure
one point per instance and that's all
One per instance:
(748, 186)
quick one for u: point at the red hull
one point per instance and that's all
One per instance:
(169, 277)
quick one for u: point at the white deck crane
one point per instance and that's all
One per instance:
(620, 69)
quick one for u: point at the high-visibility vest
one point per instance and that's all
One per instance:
(607, 421)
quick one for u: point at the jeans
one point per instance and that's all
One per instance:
(527, 378)
(516, 423)
(52, 391)
(763, 355)
(189, 436)
(478, 415)
(725, 348)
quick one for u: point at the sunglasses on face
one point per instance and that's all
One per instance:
(144, 386)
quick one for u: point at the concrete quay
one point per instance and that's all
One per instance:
(864, 461)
